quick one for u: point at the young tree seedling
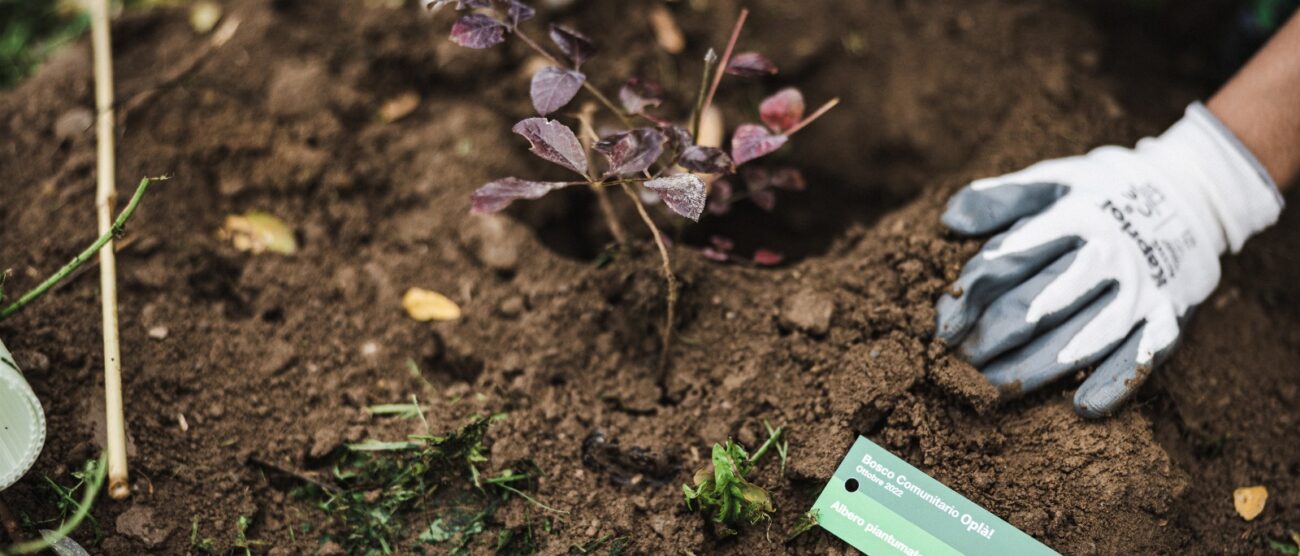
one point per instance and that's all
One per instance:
(649, 154)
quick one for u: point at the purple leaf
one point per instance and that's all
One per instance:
(679, 138)
(631, 152)
(478, 31)
(435, 5)
(783, 110)
(721, 243)
(684, 193)
(720, 197)
(752, 141)
(790, 179)
(765, 257)
(759, 183)
(518, 11)
(636, 95)
(573, 44)
(714, 255)
(750, 64)
(553, 141)
(706, 160)
(498, 194)
(554, 87)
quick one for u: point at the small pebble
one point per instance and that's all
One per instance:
(73, 123)
(512, 306)
(158, 332)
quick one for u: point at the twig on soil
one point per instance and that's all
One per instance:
(81, 258)
(671, 313)
(105, 197)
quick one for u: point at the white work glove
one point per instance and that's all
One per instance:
(1106, 256)
(22, 422)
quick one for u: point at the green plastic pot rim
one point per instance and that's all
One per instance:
(22, 422)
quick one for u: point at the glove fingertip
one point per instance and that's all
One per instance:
(1105, 399)
(963, 214)
(1106, 391)
(951, 322)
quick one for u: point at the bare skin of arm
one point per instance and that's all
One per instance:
(1262, 107)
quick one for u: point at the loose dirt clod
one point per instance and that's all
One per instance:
(809, 311)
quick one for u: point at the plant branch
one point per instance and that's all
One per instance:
(82, 257)
(819, 113)
(726, 59)
(609, 104)
(587, 136)
(669, 277)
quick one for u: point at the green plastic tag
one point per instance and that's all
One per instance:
(883, 506)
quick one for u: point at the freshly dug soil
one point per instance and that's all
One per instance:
(272, 358)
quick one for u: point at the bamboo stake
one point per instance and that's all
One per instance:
(119, 486)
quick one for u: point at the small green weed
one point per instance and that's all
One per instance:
(1290, 548)
(805, 523)
(91, 479)
(722, 490)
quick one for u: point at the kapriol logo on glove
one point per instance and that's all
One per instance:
(883, 506)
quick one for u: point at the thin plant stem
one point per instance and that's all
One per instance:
(820, 111)
(669, 277)
(82, 257)
(710, 60)
(762, 450)
(609, 104)
(92, 486)
(587, 136)
(726, 59)
(607, 211)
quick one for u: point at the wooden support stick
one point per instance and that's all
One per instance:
(119, 486)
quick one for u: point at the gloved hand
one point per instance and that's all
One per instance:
(1106, 256)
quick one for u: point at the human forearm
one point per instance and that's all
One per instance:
(1261, 105)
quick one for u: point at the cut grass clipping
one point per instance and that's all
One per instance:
(381, 486)
(722, 490)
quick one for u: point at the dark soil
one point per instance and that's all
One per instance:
(273, 358)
